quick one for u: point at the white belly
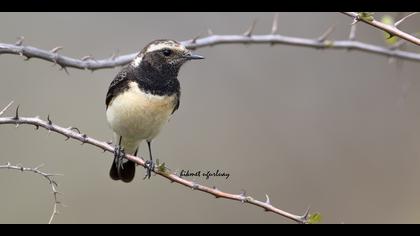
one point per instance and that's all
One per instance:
(136, 115)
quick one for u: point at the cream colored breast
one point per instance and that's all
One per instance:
(137, 115)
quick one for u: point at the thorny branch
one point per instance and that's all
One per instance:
(390, 29)
(47, 176)
(90, 63)
(161, 170)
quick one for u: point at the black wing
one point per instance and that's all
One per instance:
(177, 98)
(118, 85)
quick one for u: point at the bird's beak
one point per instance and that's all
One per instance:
(191, 56)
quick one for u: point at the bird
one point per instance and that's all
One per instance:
(141, 99)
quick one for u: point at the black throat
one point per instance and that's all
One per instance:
(157, 81)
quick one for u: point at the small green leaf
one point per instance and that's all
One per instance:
(389, 39)
(161, 167)
(367, 16)
(314, 218)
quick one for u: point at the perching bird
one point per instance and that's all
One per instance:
(141, 99)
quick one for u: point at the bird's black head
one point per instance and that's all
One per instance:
(165, 56)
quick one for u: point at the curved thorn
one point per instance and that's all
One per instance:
(267, 201)
(56, 49)
(194, 40)
(74, 128)
(86, 58)
(250, 30)
(306, 214)
(49, 120)
(274, 28)
(115, 54)
(19, 42)
(65, 69)
(389, 35)
(327, 33)
(355, 20)
(39, 166)
(404, 18)
(17, 113)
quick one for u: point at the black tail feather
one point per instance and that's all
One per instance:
(126, 173)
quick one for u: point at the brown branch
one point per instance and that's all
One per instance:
(163, 172)
(390, 29)
(47, 176)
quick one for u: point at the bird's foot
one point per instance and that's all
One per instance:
(150, 166)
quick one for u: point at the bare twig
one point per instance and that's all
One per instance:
(211, 40)
(69, 133)
(90, 63)
(47, 176)
(390, 29)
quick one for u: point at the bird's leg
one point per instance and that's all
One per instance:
(119, 156)
(150, 165)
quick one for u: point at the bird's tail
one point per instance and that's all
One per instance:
(125, 172)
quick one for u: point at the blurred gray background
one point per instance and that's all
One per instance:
(336, 130)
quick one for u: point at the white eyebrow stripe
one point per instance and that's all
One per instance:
(160, 46)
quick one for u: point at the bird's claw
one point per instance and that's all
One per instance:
(119, 155)
(150, 166)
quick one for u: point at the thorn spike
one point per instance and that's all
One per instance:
(327, 33)
(19, 42)
(274, 28)
(17, 113)
(306, 214)
(86, 58)
(75, 129)
(194, 40)
(250, 30)
(267, 201)
(49, 120)
(56, 49)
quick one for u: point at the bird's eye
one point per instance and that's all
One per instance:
(167, 52)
